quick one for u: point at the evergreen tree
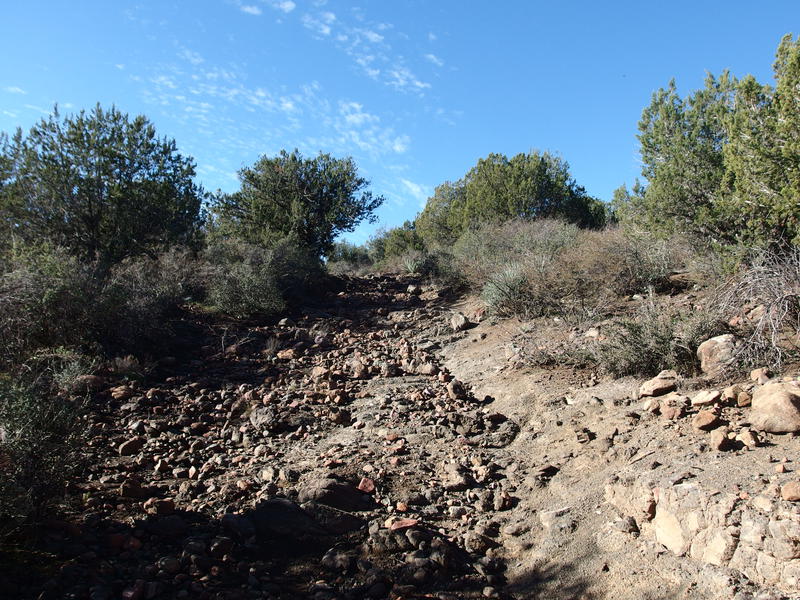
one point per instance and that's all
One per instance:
(681, 145)
(763, 156)
(310, 200)
(99, 183)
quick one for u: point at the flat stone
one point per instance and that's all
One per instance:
(791, 491)
(706, 397)
(705, 420)
(661, 384)
(336, 494)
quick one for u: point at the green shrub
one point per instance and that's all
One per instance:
(49, 299)
(246, 280)
(44, 302)
(40, 437)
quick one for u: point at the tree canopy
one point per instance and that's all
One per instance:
(724, 162)
(99, 183)
(311, 200)
(497, 189)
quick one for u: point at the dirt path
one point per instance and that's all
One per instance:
(365, 451)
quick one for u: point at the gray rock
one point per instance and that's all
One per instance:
(716, 354)
(458, 322)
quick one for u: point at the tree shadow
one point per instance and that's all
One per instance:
(562, 581)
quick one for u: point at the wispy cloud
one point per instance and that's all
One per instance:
(419, 192)
(320, 23)
(401, 78)
(371, 36)
(189, 55)
(250, 9)
(13, 89)
(285, 6)
(432, 58)
(368, 46)
(38, 109)
(212, 100)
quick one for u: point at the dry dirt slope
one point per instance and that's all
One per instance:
(367, 450)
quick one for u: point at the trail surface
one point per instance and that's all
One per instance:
(373, 448)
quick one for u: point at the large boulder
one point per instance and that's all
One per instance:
(776, 408)
(716, 354)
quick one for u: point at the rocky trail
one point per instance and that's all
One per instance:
(388, 446)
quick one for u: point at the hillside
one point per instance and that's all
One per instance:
(384, 445)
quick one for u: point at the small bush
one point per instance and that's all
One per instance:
(551, 268)
(655, 338)
(507, 292)
(40, 437)
(49, 299)
(245, 280)
(45, 302)
(481, 253)
(138, 296)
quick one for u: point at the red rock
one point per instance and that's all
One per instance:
(396, 524)
(705, 420)
(366, 485)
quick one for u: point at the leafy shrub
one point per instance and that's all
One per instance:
(39, 450)
(388, 244)
(49, 299)
(245, 280)
(44, 294)
(655, 338)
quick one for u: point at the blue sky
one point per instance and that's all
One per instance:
(416, 91)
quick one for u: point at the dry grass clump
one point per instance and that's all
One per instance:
(768, 290)
(550, 268)
(656, 337)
